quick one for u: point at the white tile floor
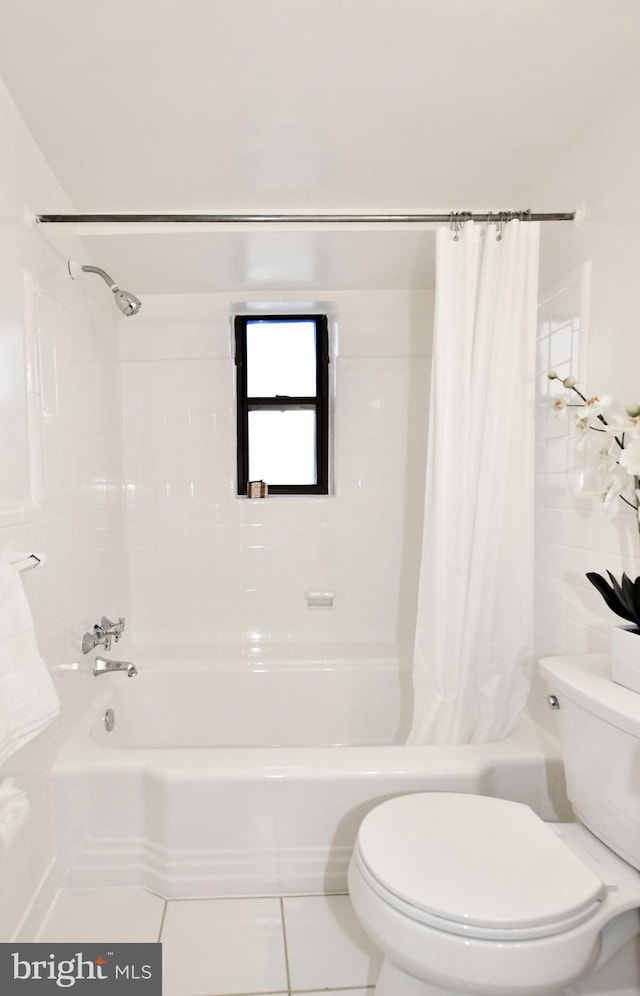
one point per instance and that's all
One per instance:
(226, 947)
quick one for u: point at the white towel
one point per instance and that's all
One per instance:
(28, 699)
(14, 809)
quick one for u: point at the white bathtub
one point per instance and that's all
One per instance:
(226, 778)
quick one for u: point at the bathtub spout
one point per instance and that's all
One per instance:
(101, 666)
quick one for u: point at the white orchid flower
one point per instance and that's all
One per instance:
(630, 457)
(559, 405)
(609, 497)
(619, 452)
(618, 426)
(609, 454)
(581, 421)
(589, 415)
(595, 406)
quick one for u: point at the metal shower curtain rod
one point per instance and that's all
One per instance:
(260, 219)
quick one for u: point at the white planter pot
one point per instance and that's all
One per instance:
(625, 656)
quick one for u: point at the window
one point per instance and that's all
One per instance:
(282, 371)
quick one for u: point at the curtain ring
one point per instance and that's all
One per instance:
(498, 220)
(457, 221)
(503, 219)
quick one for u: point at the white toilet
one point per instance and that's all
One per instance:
(472, 894)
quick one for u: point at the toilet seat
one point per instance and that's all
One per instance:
(475, 866)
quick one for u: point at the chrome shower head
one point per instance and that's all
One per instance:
(128, 303)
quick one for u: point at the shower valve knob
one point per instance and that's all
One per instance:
(96, 638)
(112, 629)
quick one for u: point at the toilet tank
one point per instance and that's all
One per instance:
(600, 734)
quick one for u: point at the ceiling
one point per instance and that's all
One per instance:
(304, 105)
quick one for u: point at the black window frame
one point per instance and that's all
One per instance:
(319, 401)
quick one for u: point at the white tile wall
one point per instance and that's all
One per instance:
(75, 513)
(573, 533)
(207, 565)
(588, 328)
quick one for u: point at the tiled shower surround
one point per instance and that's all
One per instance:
(207, 565)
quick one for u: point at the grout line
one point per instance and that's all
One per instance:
(270, 992)
(162, 918)
(256, 895)
(254, 992)
(286, 946)
(338, 989)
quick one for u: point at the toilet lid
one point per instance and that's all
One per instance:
(475, 865)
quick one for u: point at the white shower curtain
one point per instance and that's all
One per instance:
(473, 639)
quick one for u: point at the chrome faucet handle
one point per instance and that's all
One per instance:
(97, 638)
(112, 629)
